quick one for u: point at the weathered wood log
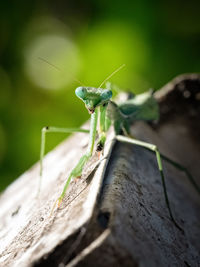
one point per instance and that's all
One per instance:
(115, 215)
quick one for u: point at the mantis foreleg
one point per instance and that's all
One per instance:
(77, 171)
(158, 157)
(104, 124)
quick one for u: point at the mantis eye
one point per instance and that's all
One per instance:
(106, 95)
(81, 92)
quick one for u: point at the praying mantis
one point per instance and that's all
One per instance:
(105, 112)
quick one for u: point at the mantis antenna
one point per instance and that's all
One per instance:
(118, 69)
(49, 63)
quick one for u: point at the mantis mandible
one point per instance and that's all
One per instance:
(105, 111)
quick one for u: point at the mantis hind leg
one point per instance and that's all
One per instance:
(158, 157)
(51, 129)
(183, 169)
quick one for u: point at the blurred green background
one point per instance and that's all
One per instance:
(86, 40)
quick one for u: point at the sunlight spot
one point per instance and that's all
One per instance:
(51, 61)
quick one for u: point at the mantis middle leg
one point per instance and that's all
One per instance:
(51, 129)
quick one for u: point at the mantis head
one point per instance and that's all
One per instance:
(93, 97)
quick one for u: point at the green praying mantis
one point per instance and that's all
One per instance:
(104, 113)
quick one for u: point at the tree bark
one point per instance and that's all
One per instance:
(115, 215)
